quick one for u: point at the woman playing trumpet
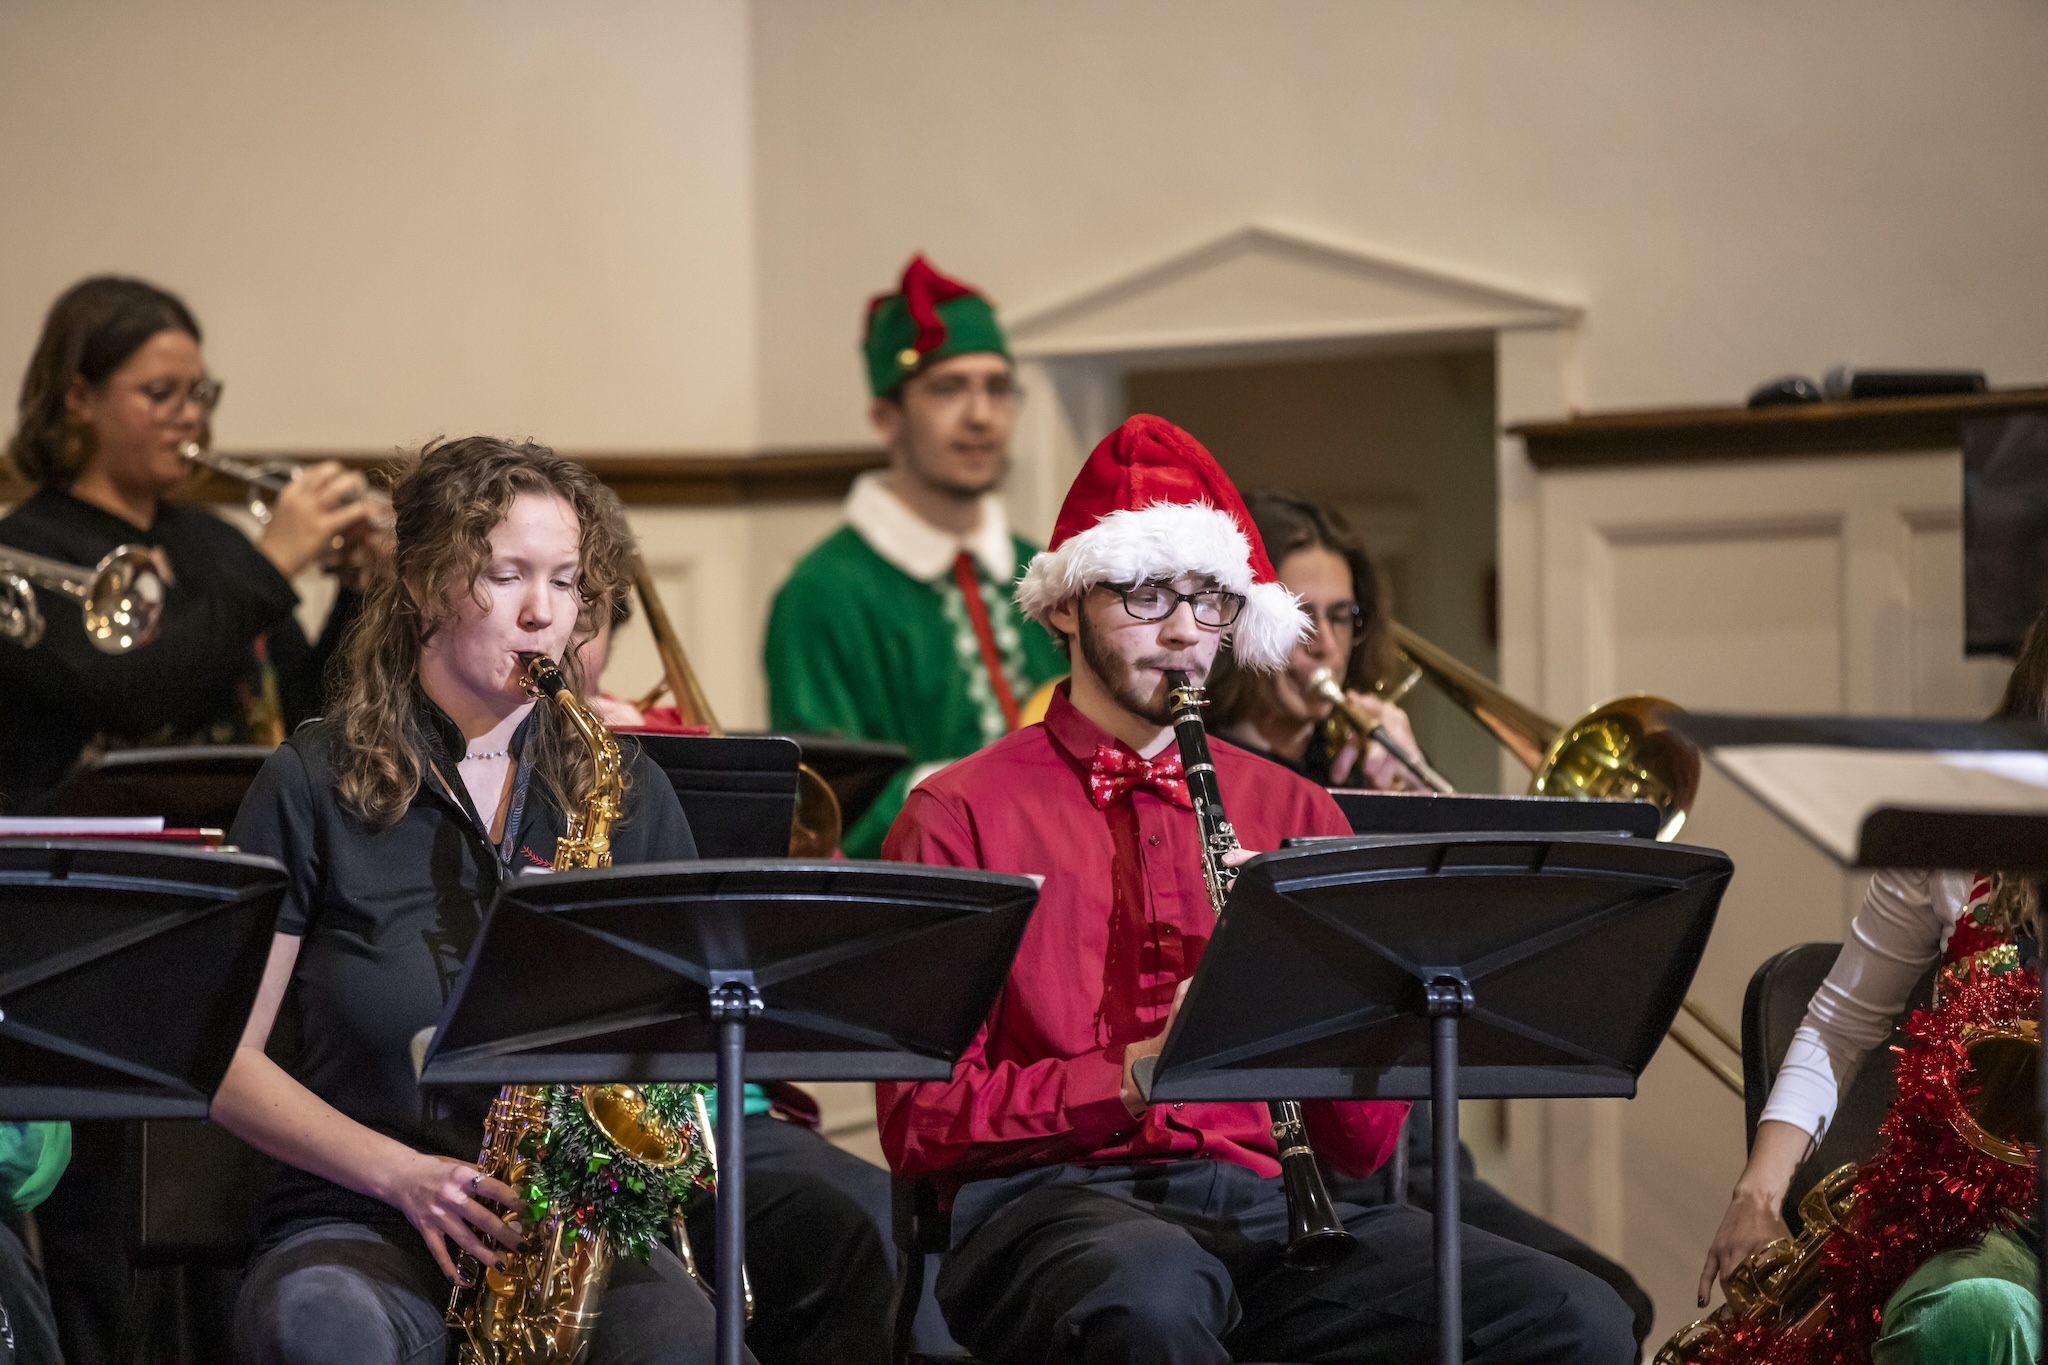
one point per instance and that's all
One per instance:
(116, 388)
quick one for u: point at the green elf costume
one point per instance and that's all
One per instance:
(892, 629)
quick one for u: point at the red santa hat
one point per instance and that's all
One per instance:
(1150, 503)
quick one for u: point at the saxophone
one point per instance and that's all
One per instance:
(1979, 1044)
(541, 1308)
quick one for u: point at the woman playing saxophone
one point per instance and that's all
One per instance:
(433, 778)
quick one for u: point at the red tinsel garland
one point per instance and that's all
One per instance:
(1926, 1192)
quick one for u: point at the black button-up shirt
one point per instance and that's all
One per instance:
(387, 917)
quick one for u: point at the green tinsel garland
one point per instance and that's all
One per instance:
(598, 1188)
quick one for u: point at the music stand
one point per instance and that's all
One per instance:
(126, 974)
(1487, 966)
(1461, 812)
(197, 786)
(738, 791)
(722, 971)
(855, 769)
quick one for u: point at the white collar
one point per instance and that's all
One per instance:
(919, 548)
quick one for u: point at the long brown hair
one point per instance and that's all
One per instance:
(1288, 522)
(2016, 900)
(448, 500)
(91, 331)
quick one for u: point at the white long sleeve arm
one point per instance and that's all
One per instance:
(1898, 933)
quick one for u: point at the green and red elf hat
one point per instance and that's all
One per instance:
(928, 318)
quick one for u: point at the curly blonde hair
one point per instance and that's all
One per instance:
(447, 500)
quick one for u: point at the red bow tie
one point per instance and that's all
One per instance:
(1114, 771)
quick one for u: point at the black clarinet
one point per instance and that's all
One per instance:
(1314, 1236)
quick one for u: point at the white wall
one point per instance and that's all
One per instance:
(1733, 190)
(397, 219)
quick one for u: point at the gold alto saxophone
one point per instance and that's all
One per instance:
(541, 1308)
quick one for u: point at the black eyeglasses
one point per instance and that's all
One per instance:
(1157, 601)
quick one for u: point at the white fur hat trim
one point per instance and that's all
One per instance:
(1165, 540)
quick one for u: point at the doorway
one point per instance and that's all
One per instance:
(1404, 446)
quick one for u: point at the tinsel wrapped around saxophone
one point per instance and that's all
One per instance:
(1955, 1160)
(603, 1169)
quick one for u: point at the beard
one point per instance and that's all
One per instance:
(1119, 676)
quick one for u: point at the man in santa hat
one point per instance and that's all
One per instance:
(1088, 1225)
(901, 626)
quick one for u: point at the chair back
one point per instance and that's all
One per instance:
(1772, 1009)
(202, 1194)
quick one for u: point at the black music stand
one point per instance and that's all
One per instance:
(196, 786)
(126, 974)
(1461, 813)
(1372, 812)
(855, 769)
(1488, 966)
(738, 791)
(722, 971)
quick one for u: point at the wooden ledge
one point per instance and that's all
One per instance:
(656, 479)
(1863, 427)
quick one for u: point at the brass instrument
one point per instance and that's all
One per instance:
(122, 596)
(541, 1308)
(1778, 1286)
(818, 825)
(1622, 751)
(261, 483)
(1315, 1237)
(1350, 717)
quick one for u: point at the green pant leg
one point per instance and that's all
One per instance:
(1970, 1306)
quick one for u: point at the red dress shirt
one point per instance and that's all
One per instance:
(1122, 919)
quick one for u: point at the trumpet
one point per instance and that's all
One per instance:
(121, 597)
(261, 483)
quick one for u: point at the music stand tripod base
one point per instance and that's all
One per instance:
(726, 971)
(1440, 967)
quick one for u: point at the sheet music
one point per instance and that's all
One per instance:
(1827, 792)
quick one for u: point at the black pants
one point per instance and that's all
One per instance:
(28, 1332)
(349, 1294)
(1482, 1206)
(818, 1249)
(1179, 1262)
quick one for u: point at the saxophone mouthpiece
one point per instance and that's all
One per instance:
(543, 676)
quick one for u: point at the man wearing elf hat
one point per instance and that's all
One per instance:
(901, 626)
(1088, 1225)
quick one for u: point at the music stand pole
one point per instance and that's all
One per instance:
(1448, 998)
(732, 1006)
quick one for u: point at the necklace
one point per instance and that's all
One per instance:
(480, 758)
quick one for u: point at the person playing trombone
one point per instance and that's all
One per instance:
(1282, 714)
